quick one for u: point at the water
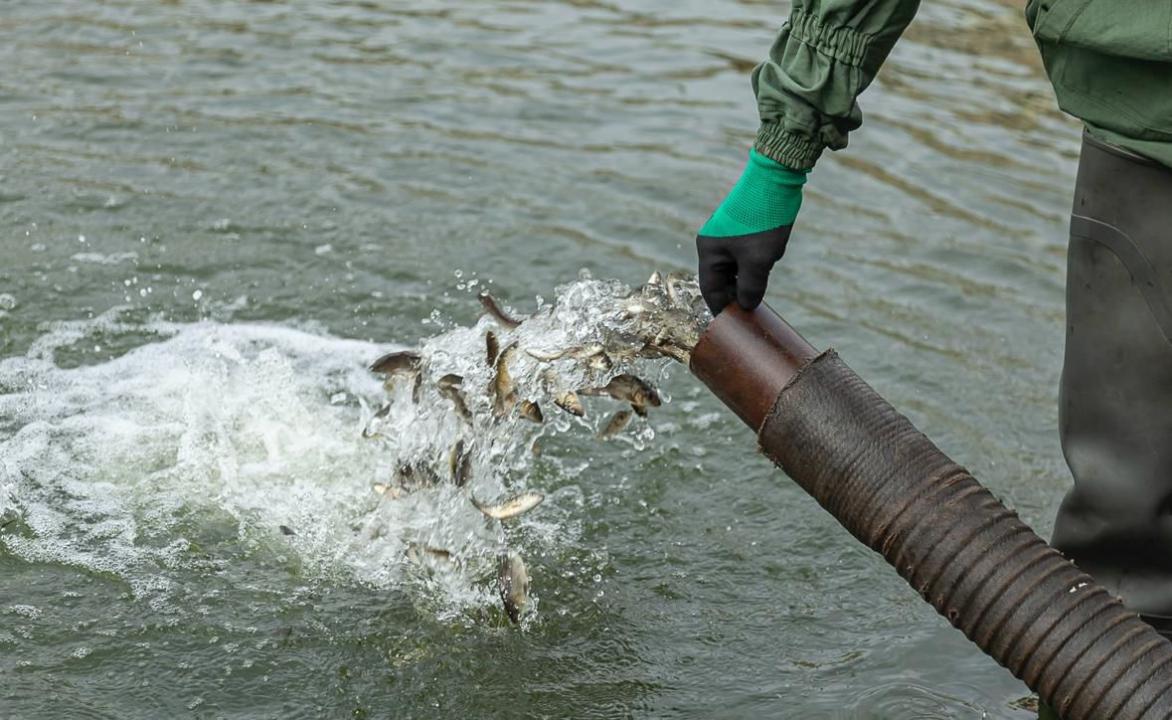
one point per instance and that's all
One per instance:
(212, 216)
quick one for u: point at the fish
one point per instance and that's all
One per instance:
(574, 352)
(369, 431)
(512, 507)
(630, 389)
(417, 553)
(615, 425)
(531, 411)
(675, 288)
(596, 356)
(451, 387)
(460, 463)
(503, 390)
(286, 530)
(410, 477)
(494, 309)
(600, 362)
(512, 579)
(417, 388)
(398, 361)
(567, 400)
(492, 347)
(391, 491)
(401, 362)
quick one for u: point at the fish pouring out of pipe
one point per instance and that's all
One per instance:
(465, 410)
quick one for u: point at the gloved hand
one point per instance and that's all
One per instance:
(747, 234)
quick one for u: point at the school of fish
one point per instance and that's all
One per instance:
(661, 319)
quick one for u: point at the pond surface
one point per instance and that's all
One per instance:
(213, 215)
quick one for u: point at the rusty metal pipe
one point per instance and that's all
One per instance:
(980, 566)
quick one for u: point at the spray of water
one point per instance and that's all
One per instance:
(286, 437)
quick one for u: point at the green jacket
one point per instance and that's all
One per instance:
(1110, 62)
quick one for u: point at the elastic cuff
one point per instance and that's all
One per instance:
(794, 151)
(844, 44)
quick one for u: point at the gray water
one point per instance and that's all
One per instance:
(212, 215)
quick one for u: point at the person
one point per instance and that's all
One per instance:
(1110, 62)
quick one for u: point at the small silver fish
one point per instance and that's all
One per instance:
(492, 347)
(417, 553)
(399, 361)
(630, 389)
(410, 477)
(460, 464)
(391, 491)
(370, 431)
(511, 508)
(417, 388)
(574, 352)
(531, 411)
(615, 425)
(675, 287)
(503, 391)
(567, 400)
(451, 387)
(512, 579)
(494, 309)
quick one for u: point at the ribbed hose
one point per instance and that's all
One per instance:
(963, 551)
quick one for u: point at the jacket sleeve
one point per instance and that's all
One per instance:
(824, 57)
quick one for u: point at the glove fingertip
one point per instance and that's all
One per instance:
(717, 302)
(750, 300)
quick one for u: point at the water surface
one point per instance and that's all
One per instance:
(213, 214)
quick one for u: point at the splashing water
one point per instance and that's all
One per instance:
(280, 434)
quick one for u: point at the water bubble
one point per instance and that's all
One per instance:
(7, 302)
(29, 611)
(197, 295)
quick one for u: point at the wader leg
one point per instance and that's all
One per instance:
(1115, 399)
(1115, 404)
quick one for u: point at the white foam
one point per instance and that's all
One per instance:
(120, 466)
(256, 422)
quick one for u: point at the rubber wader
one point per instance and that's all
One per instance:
(1115, 398)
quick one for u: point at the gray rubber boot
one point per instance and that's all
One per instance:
(1116, 392)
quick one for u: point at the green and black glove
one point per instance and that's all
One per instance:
(747, 234)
